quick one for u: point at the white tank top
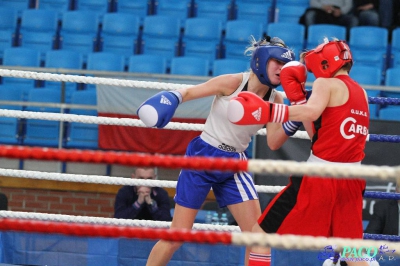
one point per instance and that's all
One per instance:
(220, 132)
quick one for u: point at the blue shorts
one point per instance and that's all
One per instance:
(228, 187)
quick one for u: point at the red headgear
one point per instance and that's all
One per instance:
(325, 60)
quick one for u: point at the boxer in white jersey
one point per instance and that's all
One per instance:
(221, 138)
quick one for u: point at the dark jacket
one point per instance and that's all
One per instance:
(385, 219)
(126, 208)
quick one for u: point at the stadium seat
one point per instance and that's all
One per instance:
(18, 5)
(39, 30)
(193, 66)
(369, 46)
(10, 127)
(229, 66)
(147, 63)
(293, 34)
(79, 32)
(22, 57)
(202, 38)
(63, 59)
(368, 75)
(8, 27)
(60, 6)
(181, 9)
(392, 79)
(390, 113)
(217, 9)
(289, 11)
(100, 7)
(42, 132)
(83, 135)
(395, 48)
(103, 61)
(317, 32)
(237, 37)
(254, 11)
(140, 8)
(161, 36)
(120, 34)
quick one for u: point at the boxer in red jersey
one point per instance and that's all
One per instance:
(337, 118)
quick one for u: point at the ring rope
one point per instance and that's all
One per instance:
(280, 167)
(113, 180)
(211, 237)
(138, 123)
(130, 83)
(108, 221)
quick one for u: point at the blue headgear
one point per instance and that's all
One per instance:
(276, 49)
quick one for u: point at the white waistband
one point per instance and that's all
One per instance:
(315, 159)
(217, 144)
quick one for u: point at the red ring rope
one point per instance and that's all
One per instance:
(89, 230)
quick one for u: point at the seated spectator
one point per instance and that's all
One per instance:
(141, 202)
(367, 12)
(3, 202)
(337, 12)
(385, 219)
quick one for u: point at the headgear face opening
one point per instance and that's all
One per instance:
(263, 53)
(325, 60)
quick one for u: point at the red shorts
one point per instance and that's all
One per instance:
(317, 207)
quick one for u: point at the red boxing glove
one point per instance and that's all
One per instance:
(293, 78)
(249, 109)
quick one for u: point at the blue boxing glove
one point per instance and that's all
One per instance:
(158, 110)
(291, 127)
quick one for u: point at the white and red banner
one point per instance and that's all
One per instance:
(122, 102)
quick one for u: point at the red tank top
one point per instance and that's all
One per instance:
(341, 131)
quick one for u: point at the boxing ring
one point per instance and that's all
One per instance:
(112, 241)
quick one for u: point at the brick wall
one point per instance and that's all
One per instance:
(60, 202)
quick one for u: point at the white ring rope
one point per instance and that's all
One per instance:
(109, 221)
(91, 80)
(109, 180)
(238, 238)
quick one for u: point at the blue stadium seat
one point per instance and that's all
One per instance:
(79, 32)
(229, 66)
(368, 75)
(10, 127)
(254, 11)
(395, 48)
(237, 37)
(147, 63)
(8, 27)
(317, 32)
(181, 9)
(140, 8)
(193, 66)
(202, 38)
(120, 34)
(310, 79)
(22, 57)
(39, 30)
(392, 79)
(369, 46)
(42, 132)
(63, 59)
(100, 7)
(161, 36)
(293, 34)
(19, 5)
(103, 61)
(390, 113)
(60, 6)
(217, 9)
(289, 11)
(83, 135)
